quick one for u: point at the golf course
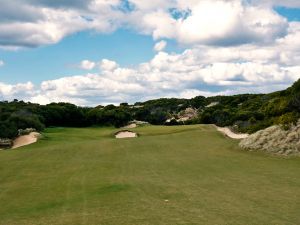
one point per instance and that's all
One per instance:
(168, 175)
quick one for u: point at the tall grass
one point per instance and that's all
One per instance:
(276, 140)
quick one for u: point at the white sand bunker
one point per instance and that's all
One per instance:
(125, 134)
(229, 133)
(26, 139)
(132, 125)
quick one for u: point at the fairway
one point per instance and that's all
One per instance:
(167, 176)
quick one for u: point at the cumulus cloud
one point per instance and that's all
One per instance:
(160, 46)
(19, 91)
(189, 22)
(47, 22)
(1, 63)
(87, 65)
(284, 3)
(218, 23)
(108, 65)
(233, 46)
(201, 70)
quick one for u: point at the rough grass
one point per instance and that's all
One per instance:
(275, 140)
(86, 176)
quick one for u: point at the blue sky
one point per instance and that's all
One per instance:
(138, 51)
(52, 61)
(292, 14)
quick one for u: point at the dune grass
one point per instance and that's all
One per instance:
(169, 175)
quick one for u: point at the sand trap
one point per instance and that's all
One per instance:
(26, 140)
(133, 125)
(229, 133)
(125, 134)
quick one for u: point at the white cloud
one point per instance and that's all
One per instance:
(51, 24)
(1, 63)
(234, 47)
(201, 70)
(87, 65)
(18, 91)
(284, 3)
(108, 65)
(219, 22)
(160, 46)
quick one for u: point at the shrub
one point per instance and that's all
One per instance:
(8, 130)
(275, 140)
(23, 122)
(288, 119)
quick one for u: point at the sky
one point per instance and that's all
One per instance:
(91, 52)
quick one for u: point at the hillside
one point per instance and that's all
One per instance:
(275, 140)
(244, 113)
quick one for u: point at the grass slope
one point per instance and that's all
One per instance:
(85, 176)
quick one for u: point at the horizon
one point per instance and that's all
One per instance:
(93, 52)
(136, 103)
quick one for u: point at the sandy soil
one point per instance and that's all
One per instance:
(26, 140)
(229, 133)
(126, 134)
(133, 125)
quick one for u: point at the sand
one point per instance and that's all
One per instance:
(26, 140)
(133, 125)
(126, 134)
(229, 133)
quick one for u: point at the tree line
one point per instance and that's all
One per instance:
(244, 113)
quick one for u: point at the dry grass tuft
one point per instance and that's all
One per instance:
(275, 140)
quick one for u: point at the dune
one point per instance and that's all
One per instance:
(25, 140)
(275, 140)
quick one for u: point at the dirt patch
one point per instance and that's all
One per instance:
(226, 131)
(26, 140)
(125, 134)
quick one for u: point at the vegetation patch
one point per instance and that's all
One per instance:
(246, 113)
(276, 139)
(5, 143)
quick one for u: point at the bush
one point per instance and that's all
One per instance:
(22, 122)
(8, 130)
(288, 119)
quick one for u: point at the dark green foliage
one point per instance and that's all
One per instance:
(8, 130)
(108, 116)
(26, 121)
(63, 114)
(246, 113)
(198, 102)
(18, 115)
(288, 118)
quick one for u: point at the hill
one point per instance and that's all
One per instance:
(275, 140)
(244, 113)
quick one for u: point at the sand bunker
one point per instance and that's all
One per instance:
(229, 133)
(133, 125)
(125, 134)
(26, 140)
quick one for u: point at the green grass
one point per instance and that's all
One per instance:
(85, 176)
